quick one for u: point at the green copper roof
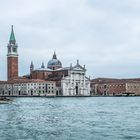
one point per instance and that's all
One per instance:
(12, 36)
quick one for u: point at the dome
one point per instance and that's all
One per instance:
(54, 63)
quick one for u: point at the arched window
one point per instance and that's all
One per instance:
(9, 49)
(14, 49)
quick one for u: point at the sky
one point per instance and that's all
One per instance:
(103, 34)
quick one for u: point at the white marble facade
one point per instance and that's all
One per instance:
(76, 83)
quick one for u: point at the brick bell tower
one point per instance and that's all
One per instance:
(12, 57)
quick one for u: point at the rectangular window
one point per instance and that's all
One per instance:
(46, 88)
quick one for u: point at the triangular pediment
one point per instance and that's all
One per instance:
(78, 68)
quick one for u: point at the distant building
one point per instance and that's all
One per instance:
(133, 87)
(24, 87)
(115, 87)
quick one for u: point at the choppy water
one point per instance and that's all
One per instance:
(102, 118)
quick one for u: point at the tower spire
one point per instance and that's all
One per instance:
(54, 55)
(42, 66)
(31, 67)
(12, 36)
(77, 62)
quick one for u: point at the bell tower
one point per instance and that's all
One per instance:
(31, 67)
(12, 57)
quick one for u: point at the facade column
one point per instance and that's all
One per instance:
(84, 84)
(70, 83)
(74, 84)
(80, 83)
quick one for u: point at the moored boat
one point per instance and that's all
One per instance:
(4, 100)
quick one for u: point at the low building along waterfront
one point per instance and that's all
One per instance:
(25, 87)
(115, 87)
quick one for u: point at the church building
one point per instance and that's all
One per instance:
(69, 81)
(76, 83)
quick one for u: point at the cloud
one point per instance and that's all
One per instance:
(104, 35)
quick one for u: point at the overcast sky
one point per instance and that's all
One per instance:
(103, 34)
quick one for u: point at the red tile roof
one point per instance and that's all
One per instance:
(111, 80)
(23, 81)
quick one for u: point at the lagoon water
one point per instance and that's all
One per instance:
(93, 118)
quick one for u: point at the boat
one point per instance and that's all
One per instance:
(128, 94)
(4, 100)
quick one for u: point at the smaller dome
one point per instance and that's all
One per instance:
(54, 63)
